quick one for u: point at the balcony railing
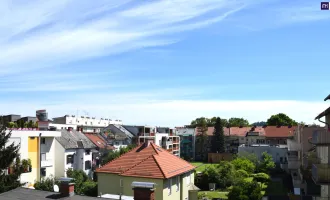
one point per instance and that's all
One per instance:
(294, 164)
(321, 137)
(46, 163)
(292, 156)
(321, 174)
(296, 179)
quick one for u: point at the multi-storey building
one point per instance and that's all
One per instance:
(187, 142)
(162, 136)
(39, 147)
(321, 171)
(85, 123)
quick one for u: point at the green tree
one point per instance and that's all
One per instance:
(89, 188)
(10, 158)
(218, 140)
(262, 123)
(30, 124)
(201, 140)
(251, 157)
(79, 177)
(267, 163)
(198, 122)
(281, 119)
(245, 191)
(244, 164)
(12, 125)
(235, 121)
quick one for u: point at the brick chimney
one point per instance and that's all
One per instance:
(144, 190)
(66, 187)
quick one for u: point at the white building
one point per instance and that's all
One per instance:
(73, 151)
(88, 124)
(278, 152)
(34, 145)
(163, 137)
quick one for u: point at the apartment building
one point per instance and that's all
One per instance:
(85, 123)
(321, 170)
(187, 142)
(162, 136)
(39, 147)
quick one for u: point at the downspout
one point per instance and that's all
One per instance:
(325, 123)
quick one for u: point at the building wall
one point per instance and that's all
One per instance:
(276, 152)
(60, 161)
(33, 144)
(115, 188)
(64, 126)
(85, 121)
(49, 149)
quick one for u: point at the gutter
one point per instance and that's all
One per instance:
(324, 123)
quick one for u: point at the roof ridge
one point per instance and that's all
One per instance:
(153, 156)
(137, 164)
(153, 146)
(120, 156)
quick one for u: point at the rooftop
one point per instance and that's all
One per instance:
(322, 114)
(98, 141)
(149, 161)
(74, 140)
(31, 194)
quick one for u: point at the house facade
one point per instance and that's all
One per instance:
(148, 162)
(39, 147)
(187, 142)
(73, 151)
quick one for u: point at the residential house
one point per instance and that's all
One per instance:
(73, 151)
(164, 137)
(117, 136)
(278, 135)
(39, 147)
(172, 176)
(187, 142)
(321, 170)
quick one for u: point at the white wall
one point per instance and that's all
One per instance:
(90, 121)
(119, 144)
(70, 165)
(64, 126)
(60, 161)
(276, 152)
(49, 149)
(80, 157)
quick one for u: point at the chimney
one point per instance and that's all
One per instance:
(144, 190)
(69, 128)
(66, 187)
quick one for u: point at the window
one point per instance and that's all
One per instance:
(88, 164)
(43, 171)
(177, 183)
(43, 157)
(121, 184)
(116, 143)
(88, 152)
(43, 141)
(169, 186)
(69, 159)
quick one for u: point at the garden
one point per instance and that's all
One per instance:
(244, 178)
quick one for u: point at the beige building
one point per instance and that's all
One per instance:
(172, 176)
(321, 171)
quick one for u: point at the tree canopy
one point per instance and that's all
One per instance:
(210, 122)
(281, 119)
(218, 140)
(10, 159)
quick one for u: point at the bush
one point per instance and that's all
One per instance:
(245, 164)
(262, 177)
(79, 177)
(89, 188)
(46, 184)
(242, 173)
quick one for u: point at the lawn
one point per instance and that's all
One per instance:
(200, 167)
(213, 194)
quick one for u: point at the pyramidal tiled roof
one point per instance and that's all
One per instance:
(148, 161)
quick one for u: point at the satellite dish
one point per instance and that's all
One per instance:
(56, 189)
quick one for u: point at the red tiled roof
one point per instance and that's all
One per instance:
(98, 141)
(148, 161)
(279, 131)
(268, 131)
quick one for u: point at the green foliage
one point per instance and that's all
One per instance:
(79, 177)
(262, 177)
(108, 156)
(244, 164)
(267, 163)
(245, 191)
(241, 173)
(234, 121)
(89, 188)
(280, 119)
(249, 156)
(218, 140)
(46, 184)
(10, 158)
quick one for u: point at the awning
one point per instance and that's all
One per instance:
(324, 113)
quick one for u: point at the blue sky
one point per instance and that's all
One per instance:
(164, 62)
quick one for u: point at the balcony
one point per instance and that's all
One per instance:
(284, 166)
(46, 163)
(296, 179)
(321, 174)
(321, 137)
(294, 164)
